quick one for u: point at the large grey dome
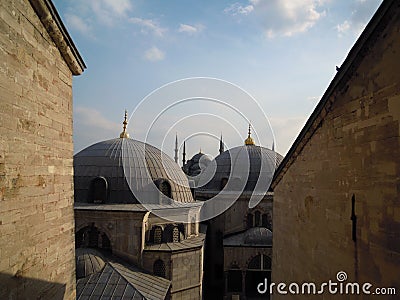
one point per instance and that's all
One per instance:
(109, 171)
(240, 168)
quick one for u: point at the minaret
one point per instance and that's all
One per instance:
(184, 153)
(249, 141)
(273, 145)
(221, 145)
(176, 148)
(124, 134)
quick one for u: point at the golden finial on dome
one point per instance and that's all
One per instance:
(124, 134)
(249, 140)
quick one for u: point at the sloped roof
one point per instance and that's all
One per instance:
(117, 281)
(189, 243)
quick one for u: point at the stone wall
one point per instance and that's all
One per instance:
(123, 229)
(354, 153)
(187, 274)
(36, 192)
(183, 268)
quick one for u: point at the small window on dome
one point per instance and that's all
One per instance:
(99, 190)
(165, 188)
(224, 181)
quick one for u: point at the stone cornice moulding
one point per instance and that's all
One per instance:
(51, 21)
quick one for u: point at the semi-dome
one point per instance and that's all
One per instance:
(258, 236)
(240, 168)
(88, 261)
(124, 170)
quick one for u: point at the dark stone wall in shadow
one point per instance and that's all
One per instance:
(12, 287)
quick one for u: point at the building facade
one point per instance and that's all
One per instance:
(336, 194)
(133, 205)
(38, 59)
(238, 251)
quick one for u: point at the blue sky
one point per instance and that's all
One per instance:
(282, 52)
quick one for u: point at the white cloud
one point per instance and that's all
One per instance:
(119, 7)
(91, 126)
(237, 9)
(281, 17)
(362, 12)
(343, 28)
(154, 54)
(286, 129)
(148, 25)
(106, 12)
(190, 29)
(75, 22)
(90, 117)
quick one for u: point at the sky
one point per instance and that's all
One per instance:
(270, 60)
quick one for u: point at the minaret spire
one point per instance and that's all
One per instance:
(221, 145)
(249, 141)
(124, 134)
(184, 153)
(273, 145)
(176, 148)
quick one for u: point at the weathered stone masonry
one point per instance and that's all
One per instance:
(350, 152)
(36, 183)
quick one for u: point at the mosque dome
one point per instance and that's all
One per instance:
(258, 236)
(196, 164)
(88, 261)
(108, 172)
(241, 166)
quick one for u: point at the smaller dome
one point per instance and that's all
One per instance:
(196, 164)
(88, 261)
(258, 236)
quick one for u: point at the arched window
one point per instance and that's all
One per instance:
(157, 235)
(265, 222)
(260, 262)
(105, 242)
(257, 219)
(250, 221)
(159, 268)
(91, 237)
(224, 181)
(172, 234)
(258, 269)
(266, 262)
(99, 190)
(165, 188)
(175, 234)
